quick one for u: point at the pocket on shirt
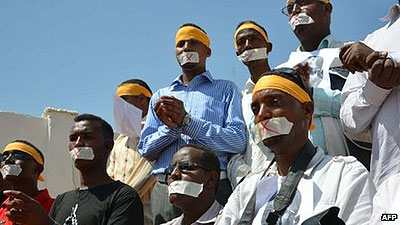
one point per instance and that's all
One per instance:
(213, 111)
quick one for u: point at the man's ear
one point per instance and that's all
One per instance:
(213, 179)
(109, 146)
(309, 111)
(269, 47)
(328, 8)
(208, 52)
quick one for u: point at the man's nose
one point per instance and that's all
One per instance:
(264, 114)
(296, 9)
(187, 47)
(78, 142)
(176, 174)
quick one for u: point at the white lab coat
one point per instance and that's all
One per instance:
(328, 181)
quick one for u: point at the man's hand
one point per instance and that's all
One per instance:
(24, 210)
(354, 56)
(303, 70)
(170, 111)
(385, 72)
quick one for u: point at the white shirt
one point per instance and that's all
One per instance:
(386, 200)
(257, 157)
(367, 106)
(208, 217)
(328, 181)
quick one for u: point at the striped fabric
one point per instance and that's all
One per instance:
(217, 121)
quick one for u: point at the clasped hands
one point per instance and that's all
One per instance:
(170, 111)
(382, 70)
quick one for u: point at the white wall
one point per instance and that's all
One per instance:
(51, 135)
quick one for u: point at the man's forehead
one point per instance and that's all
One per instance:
(84, 126)
(248, 32)
(188, 154)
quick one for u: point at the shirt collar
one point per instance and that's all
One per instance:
(327, 42)
(248, 87)
(317, 158)
(206, 75)
(210, 216)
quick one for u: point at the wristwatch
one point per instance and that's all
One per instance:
(187, 119)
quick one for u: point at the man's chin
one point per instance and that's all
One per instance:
(179, 199)
(273, 141)
(189, 65)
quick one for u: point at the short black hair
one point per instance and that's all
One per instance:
(108, 132)
(249, 21)
(192, 25)
(33, 146)
(292, 76)
(137, 81)
(208, 159)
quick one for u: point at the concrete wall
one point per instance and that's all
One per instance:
(51, 135)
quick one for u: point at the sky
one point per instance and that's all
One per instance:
(73, 54)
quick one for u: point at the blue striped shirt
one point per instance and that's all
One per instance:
(217, 121)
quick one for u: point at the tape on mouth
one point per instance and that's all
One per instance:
(253, 54)
(188, 57)
(270, 128)
(185, 188)
(10, 170)
(85, 153)
(300, 19)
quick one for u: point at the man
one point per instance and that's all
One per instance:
(131, 104)
(197, 168)
(371, 96)
(197, 109)
(22, 165)
(301, 182)
(99, 200)
(252, 48)
(310, 21)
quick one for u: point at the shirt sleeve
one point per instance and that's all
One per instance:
(231, 136)
(127, 210)
(155, 135)
(355, 194)
(326, 102)
(110, 168)
(361, 100)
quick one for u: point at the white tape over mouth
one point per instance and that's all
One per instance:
(188, 57)
(253, 54)
(85, 153)
(300, 19)
(270, 128)
(185, 188)
(10, 170)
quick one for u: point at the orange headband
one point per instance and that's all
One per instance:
(132, 89)
(324, 1)
(285, 85)
(249, 25)
(20, 146)
(190, 32)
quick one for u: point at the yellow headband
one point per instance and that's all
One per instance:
(285, 85)
(324, 1)
(132, 89)
(190, 32)
(249, 25)
(20, 146)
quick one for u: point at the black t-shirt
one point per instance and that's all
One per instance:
(114, 203)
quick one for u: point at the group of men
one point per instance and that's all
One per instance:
(294, 147)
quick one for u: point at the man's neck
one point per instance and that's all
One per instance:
(312, 44)
(257, 70)
(188, 75)
(285, 160)
(29, 189)
(95, 178)
(193, 214)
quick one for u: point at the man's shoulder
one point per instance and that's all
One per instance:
(345, 165)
